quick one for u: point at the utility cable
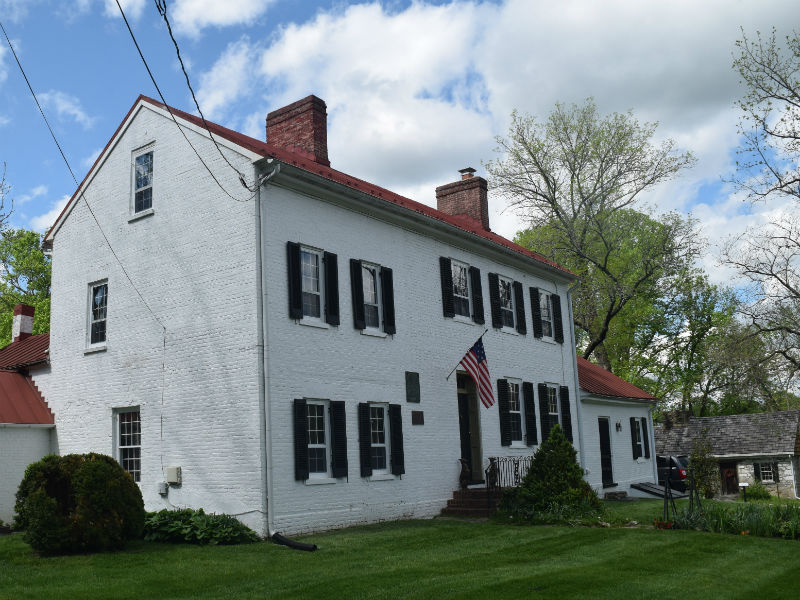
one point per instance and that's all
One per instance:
(161, 6)
(169, 110)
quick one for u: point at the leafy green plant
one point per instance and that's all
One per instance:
(757, 491)
(763, 520)
(78, 503)
(189, 526)
(704, 468)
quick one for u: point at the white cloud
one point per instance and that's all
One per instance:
(39, 190)
(67, 106)
(46, 221)
(4, 120)
(227, 79)
(3, 67)
(133, 8)
(15, 10)
(89, 160)
(192, 16)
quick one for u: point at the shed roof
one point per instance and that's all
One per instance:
(298, 160)
(31, 351)
(21, 402)
(734, 435)
(597, 380)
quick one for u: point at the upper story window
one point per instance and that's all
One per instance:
(462, 294)
(547, 315)
(313, 285)
(507, 302)
(98, 304)
(372, 288)
(546, 309)
(128, 437)
(143, 182)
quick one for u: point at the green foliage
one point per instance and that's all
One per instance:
(757, 491)
(189, 526)
(24, 278)
(703, 466)
(763, 520)
(553, 490)
(78, 503)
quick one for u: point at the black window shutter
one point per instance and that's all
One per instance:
(645, 437)
(566, 415)
(357, 291)
(331, 289)
(412, 387)
(536, 312)
(396, 435)
(530, 413)
(387, 299)
(446, 274)
(519, 306)
(634, 445)
(494, 300)
(544, 412)
(558, 323)
(757, 471)
(338, 440)
(300, 440)
(775, 472)
(477, 295)
(295, 282)
(503, 401)
(364, 439)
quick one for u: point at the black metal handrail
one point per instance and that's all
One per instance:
(504, 472)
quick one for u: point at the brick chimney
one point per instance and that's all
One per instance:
(465, 197)
(301, 127)
(22, 325)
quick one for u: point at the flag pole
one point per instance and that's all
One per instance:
(459, 362)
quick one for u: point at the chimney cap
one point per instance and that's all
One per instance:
(466, 172)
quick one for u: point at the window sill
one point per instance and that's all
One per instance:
(381, 477)
(547, 340)
(463, 319)
(94, 349)
(509, 331)
(320, 480)
(310, 323)
(141, 215)
(518, 446)
(374, 333)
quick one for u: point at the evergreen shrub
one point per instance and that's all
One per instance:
(78, 503)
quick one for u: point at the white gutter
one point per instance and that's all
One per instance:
(264, 410)
(652, 442)
(574, 355)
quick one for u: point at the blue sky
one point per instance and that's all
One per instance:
(415, 90)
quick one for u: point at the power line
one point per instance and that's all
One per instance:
(169, 110)
(161, 6)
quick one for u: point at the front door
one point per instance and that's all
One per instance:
(605, 452)
(730, 478)
(469, 426)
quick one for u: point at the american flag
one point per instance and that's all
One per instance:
(474, 362)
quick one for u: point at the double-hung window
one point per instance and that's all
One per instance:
(143, 182)
(372, 288)
(380, 438)
(546, 309)
(129, 441)
(462, 294)
(507, 302)
(766, 472)
(320, 440)
(547, 315)
(554, 409)
(98, 305)
(313, 285)
(639, 439)
(517, 412)
(311, 282)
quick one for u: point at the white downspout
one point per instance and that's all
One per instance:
(574, 355)
(265, 413)
(652, 442)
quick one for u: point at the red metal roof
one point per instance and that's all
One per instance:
(25, 353)
(596, 380)
(267, 150)
(21, 402)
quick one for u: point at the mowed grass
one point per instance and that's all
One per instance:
(425, 559)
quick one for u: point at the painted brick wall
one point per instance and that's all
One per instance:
(20, 445)
(626, 469)
(340, 363)
(193, 261)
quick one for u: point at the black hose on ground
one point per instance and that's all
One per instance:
(284, 541)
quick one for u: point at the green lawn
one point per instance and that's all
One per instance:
(426, 559)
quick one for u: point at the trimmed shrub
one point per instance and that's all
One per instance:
(189, 526)
(78, 503)
(757, 491)
(554, 488)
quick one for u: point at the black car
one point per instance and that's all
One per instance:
(674, 468)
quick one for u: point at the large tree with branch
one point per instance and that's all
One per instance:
(576, 177)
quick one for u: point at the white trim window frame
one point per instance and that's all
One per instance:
(515, 413)
(639, 441)
(552, 402)
(462, 289)
(371, 287)
(319, 439)
(546, 307)
(142, 180)
(128, 440)
(507, 308)
(379, 439)
(766, 467)
(97, 326)
(312, 284)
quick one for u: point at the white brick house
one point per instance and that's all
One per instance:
(289, 348)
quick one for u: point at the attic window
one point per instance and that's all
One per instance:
(143, 182)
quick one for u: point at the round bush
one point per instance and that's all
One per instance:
(78, 503)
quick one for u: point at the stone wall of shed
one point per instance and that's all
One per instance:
(785, 486)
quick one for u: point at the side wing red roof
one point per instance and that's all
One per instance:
(25, 353)
(596, 380)
(267, 150)
(21, 402)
